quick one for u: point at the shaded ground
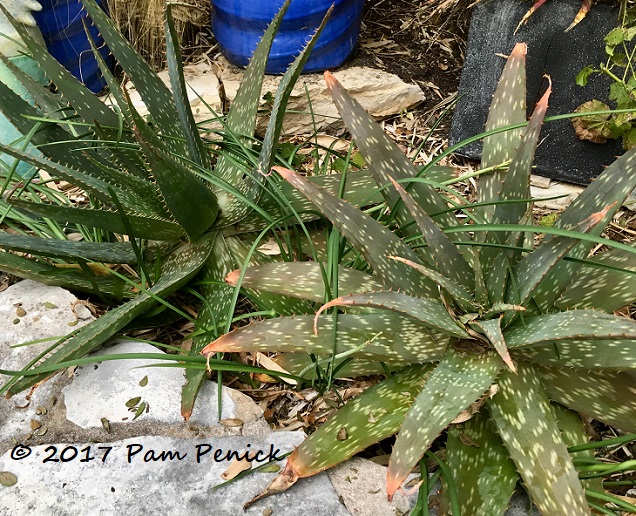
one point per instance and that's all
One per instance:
(421, 42)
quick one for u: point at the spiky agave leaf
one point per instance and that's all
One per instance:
(156, 96)
(242, 121)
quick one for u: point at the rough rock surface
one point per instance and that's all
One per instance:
(117, 382)
(30, 311)
(381, 93)
(164, 477)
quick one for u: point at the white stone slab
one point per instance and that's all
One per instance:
(102, 391)
(138, 485)
(32, 311)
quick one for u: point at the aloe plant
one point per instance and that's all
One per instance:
(157, 198)
(486, 332)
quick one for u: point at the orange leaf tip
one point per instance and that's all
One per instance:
(330, 79)
(284, 172)
(339, 301)
(233, 277)
(392, 485)
(520, 50)
(219, 345)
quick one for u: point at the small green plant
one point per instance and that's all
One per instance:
(620, 49)
(500, 341)
(177, 211)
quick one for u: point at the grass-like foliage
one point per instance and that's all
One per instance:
(174, 209)
(489, 333)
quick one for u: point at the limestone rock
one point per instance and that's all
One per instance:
(31, 311)
(361, 484)
(381, 93)
(203, 88)
(163, 477)
(107, 390)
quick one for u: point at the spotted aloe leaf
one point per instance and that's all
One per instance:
(610, 188)
(142, 227)
(574, 434)
(242, 119)
(384, 158)
(304, 280)
(516, 181)
(461, 296)
(275, 126)
(190, 201)
(51, 275)
(428, 312)
(578, 325)
(369, 237)
(282, 304)
(211, 319)
(156, 96)
(88, 106)
(42, 96)
(508, 107)
(374, 336)
(359, 189)
(457, 381)
(176, 271)
(604, 395)
(602, 288)
(197, 150)
(347, 367)
(69, 159)
(111, 252)
(525, 421)
(587, 354)
(515, 186)
(447, 259)
(532, 270)
(483, 472)
(492, 330)
(374, 415)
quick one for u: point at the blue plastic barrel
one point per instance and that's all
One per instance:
(238, 25)
(61, 24)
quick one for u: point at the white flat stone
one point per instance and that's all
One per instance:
(135, 484)
(361, 485)
(32, 311)
(381, 93)
(102, 391)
